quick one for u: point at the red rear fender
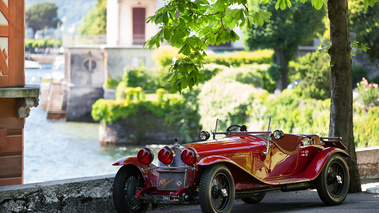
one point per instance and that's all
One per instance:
(315, 166)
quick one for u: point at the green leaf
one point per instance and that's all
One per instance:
(317, 4)
(167, 34)
(165, 18)
(185, 50)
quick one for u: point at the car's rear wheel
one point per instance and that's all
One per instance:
(217, 190)
(126, 184)
(333, 181)
(254, 198)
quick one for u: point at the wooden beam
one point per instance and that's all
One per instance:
(11, 181)
(11, 166)
(4, 30)
(16, 43)
(12, 123)
(8, 107)
(14, 145)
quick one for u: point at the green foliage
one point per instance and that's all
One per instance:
(237, 59)
(367, 93)
(314, 70)
(165, 54)
(229, 96)
(95, 22)
(358, 73)
(211, 70)
(200, 23)
(111, 83)
(364, 22)
(274, 71)
(246, 75)
(30, 44)
(375, 79)
(293, 114)
(286, 29)
(148, 79)
(42, 15)
(366, 125)
(177, 111)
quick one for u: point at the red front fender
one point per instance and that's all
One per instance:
(148, 172)
(314, 168)
(214, 159)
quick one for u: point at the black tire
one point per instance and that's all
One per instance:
(127, 183)
(217, 190)
(254, 198)
(333, 181)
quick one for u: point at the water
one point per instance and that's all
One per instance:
(55, 150)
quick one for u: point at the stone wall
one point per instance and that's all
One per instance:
(118, 59)
(92, 194)
(368, 162)
(84, 77)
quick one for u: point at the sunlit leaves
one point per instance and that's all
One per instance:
(261, 17)
(363, 47)
(317, 4)
(192, 25)
(370, 3)
(282, 4)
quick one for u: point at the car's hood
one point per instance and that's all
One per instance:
(227, 146)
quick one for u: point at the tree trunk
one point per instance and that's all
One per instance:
(341, 109)
(282, 61)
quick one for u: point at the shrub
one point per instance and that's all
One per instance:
(237, 59)
(314, 70)
(229, 96)
(165, 54)
(367, 94)
(30, 44)
(366, 126)
(211, 70)
(178, 112)
(358, 73)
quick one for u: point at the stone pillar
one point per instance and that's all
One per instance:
(16, 99)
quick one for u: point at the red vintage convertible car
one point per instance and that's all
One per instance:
(242, 165)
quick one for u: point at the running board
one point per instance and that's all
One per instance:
(283, 188)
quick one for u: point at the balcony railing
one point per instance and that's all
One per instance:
(138, 39)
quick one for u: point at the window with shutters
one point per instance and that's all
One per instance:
(139, 26)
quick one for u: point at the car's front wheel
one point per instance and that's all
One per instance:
(127, 183)
(217, 190)
(333, 181)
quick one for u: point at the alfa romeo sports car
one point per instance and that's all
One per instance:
(241, 165)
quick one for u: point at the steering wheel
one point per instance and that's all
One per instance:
(232, 127)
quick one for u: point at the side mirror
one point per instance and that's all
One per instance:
(278, 134)
(204, 135)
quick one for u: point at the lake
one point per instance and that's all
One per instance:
(55, 149)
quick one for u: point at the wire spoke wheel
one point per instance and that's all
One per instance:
(333, 181)
(127, 183)
(217, 191)
(132, 186)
